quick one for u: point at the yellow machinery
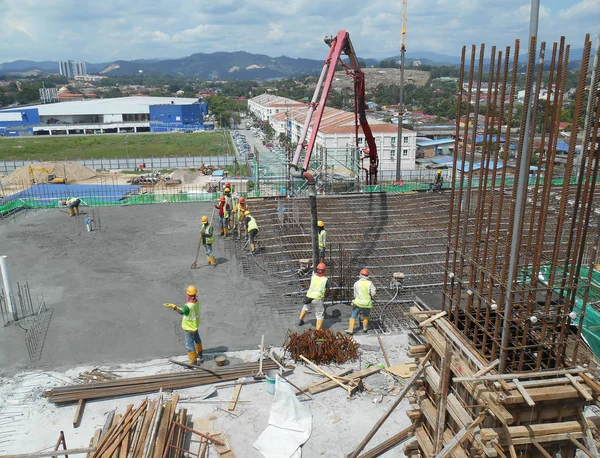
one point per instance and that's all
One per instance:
(52, 178)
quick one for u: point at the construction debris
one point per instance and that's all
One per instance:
(321, 347)
(148, 384)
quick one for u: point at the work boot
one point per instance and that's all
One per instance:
(208, 259)
(302, 316)
(222, 232)
(71, 212)
(252, 248)
(351, 326)
(226, 231)
(199, 352)
(365, 325)
(193, 357)
(77, 210)
(319, 325)
(213, 261)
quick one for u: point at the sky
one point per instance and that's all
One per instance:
(108, 30)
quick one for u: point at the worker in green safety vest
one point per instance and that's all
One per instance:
(208, 238)
(319, 285)
(364, 292)
(322, 240)
(190, 321)
(252, 230)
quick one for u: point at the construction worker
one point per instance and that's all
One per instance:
(239, 211)
(319, 285)
(224, 210)
(190, 321)
(229, 200)
(72, 205)
(437, 183)
(364, 292)
(252, 228)
(322, 240)
(208, 238)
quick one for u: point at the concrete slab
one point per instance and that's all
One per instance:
(107, 287)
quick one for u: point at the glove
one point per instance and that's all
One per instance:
(171, 306)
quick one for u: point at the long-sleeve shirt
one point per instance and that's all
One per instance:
(222, 207)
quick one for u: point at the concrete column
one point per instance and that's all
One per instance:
(118, 130)
(8, 290)
(50, 131)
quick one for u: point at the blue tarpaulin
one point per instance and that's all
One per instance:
(46, 194)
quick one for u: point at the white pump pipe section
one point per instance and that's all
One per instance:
(8, 290)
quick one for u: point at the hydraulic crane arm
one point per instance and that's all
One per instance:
(338, 46)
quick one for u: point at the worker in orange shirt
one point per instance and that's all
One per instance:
(224, 210)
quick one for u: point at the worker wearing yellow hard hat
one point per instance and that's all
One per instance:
(322, 240)
(208, 238)
(229, 200)
(437, 183)
(252, 228)
(190, 322)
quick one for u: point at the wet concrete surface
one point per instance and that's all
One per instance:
(107, 287)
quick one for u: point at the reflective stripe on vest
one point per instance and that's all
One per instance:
(71, 200)
(322, 239)
(363, 298)
(240, 212)
(191, 321)
(317, 288)
(210, 235)
(252, 223)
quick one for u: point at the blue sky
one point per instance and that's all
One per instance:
(130, 29)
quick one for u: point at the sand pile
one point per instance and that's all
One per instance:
(72, 170)
(184, 175)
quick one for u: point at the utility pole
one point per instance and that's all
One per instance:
(401, 101)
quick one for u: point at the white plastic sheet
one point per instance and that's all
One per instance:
(290, 425)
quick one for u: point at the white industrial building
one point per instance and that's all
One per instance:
(337, 131)
(266, 105)
(124, 114)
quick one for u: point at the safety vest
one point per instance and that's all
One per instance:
(191, 321)
(363, 298)
(71, 200)
(208, 232)
(240, 211)
(252, 223)
(229, 200)
(322, 236)
(317, 288)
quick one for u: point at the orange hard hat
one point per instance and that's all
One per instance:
(242, 200)
(227, 184)
(321, 268)
(365, 272)
(222, 198)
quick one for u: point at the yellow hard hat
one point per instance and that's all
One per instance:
(205, 219)
(439, 171)
(227, 190)
(191, 291)
(247, 212)
(320, 224)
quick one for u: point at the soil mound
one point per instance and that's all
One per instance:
(73, 171)
(184, 175)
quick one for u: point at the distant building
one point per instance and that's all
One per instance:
(432, 148)
(119, 115)
(71, 68)
(266, 105)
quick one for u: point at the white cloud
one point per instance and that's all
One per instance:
(122, 29)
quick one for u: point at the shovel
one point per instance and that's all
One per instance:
(195, 264)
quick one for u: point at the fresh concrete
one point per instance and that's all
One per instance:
(107, 287)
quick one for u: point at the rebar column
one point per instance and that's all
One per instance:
(521, 190)
(8, 289)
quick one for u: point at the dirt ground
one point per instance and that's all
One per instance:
(339, 424)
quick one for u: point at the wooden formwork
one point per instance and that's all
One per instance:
(462, 407)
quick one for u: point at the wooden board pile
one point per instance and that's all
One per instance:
(462, 407)
(154, 383)
(154, 429)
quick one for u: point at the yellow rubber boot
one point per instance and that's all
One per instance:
(193, 357)
(209, 259)
(351, 326)
(213, 261)
(71, 212)
(302, 316)
(252, 247)
(365, 324)
(77, 210)
(319, 325)
(199, 352)
(225, 230)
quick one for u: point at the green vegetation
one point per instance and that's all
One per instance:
(114, 146)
